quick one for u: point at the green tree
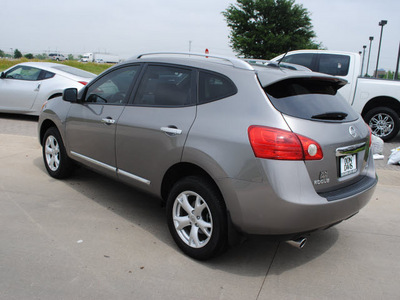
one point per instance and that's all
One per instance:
(70, 57)
(2, 54)
(17, 54)
(29, 56)
(267, 28)
(42, 56)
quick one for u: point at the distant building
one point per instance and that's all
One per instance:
(381, 73)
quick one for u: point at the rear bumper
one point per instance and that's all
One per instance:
(286, 203)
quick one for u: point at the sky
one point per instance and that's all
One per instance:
(129, 27)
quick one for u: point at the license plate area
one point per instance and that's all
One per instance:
(348, 165)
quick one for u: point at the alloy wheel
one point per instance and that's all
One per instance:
(52, 153)
(381, 124)
(192, 219)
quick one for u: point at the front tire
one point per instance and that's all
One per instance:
(55, 158)
(196, 217)
(384, 122)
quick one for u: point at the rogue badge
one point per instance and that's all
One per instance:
(323, 178)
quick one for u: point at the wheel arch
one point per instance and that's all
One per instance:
(44, 127)
(382, 101)
(179, 171)
(54, 95)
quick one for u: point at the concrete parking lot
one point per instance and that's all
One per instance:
(89, 237)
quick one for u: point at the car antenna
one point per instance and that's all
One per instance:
(284, 55)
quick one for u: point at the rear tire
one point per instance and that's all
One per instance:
(55, 158)
(196, 216)
(384, 122)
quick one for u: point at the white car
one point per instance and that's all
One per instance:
(26, 86)
(58, 57)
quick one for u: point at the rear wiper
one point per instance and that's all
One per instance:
(330, 116)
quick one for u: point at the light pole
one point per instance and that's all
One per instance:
(381, 23)
(371, 38)
(362, 65)
(396, 73)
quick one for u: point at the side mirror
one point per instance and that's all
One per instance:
(70, 95)
(3, 75)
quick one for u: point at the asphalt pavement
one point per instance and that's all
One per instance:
(89, 237)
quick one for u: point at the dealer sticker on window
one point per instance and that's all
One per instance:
(348, 165)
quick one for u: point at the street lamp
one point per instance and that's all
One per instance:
(362, 65)
(381, 23)
(371, 38)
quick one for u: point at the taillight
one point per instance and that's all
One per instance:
(83, 82)
(274, 143)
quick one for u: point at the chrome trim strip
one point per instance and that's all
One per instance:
(350, 149)
(93, 161)
(135, 177)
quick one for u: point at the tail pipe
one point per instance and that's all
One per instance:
(298, 243)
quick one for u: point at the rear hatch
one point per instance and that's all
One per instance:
(312, 108)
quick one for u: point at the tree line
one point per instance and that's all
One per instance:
(17, 55)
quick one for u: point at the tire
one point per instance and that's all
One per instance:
(196, 217)
(384, 122)
(55, 158)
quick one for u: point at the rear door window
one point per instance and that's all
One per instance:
(312, 99)
(165, 86)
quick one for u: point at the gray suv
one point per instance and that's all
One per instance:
(229, 146)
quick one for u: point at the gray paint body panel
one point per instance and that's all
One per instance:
(262, 196)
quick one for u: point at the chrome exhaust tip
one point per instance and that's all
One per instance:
(298, 243)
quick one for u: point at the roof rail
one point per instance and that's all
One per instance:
(236, 62)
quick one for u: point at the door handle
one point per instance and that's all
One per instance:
(171, 130)
(37, 88)
(108, 121)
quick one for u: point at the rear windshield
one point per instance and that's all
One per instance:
(310, 98)
(74, 71)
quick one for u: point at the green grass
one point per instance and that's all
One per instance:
(90, 67)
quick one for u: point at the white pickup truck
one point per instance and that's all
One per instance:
(377, 100)
(100, 58)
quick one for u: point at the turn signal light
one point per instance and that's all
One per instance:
(274, 143)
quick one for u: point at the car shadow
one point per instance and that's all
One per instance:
(250, 257)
